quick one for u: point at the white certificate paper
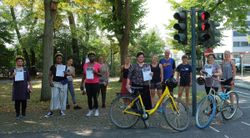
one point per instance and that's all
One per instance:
(60, 70)
(209, 71)
(146, 74)
(19, 76)
(90, 73)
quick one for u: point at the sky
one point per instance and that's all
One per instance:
(158, 15)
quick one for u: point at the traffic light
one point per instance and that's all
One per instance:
(215, 33)
(181, 27)
(203, 27)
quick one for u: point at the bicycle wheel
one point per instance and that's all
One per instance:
(177, 120)
(230, 106)
(118, 117)
(205, 112)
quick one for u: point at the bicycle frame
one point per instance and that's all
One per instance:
(166, 95)
(222, 99)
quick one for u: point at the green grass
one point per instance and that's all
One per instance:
(34, 104)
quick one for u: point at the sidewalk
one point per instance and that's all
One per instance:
(242, 82)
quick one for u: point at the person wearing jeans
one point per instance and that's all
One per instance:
(104, 80)
(91, 80)
(71, 71)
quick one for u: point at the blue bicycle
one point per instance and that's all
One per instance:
(225, 102)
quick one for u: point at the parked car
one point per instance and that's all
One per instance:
(237, 62)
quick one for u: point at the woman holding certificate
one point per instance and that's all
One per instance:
(59, 86)
(213, 69)
(139, 76)
(21, 87)
(91, 79)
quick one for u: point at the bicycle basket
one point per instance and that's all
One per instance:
(171, 82)
(200, 80)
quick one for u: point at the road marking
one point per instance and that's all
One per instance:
(246, 107)
(226, 136)
(245, 123)
(244, 96)
(214, 129)
(242, 93)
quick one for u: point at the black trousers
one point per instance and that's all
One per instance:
(145, 94)
(103, 90)
(18, 104)
(92, 90)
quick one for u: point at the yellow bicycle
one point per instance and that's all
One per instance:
(126, 110)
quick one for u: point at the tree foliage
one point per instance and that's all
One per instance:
(122, 19)
(150, 43)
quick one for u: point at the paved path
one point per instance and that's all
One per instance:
(74, 124)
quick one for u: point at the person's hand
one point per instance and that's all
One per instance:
(151, 74)
(30, 88)
(67, 73)
(232, 83)
(51, 84)
(14, 73)
(84, 91)
(81, 87)
(128, 87)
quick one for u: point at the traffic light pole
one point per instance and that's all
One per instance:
(193, 53)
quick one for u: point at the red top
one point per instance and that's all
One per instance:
(95, 68)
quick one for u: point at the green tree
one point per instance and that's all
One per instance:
(150, 43)
(122, 19)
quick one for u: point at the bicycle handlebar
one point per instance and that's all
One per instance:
(132, 89)
(211, 76)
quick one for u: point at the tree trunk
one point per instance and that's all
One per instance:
(126, 34)
(47, 48)
(74, 41)
(26, 56)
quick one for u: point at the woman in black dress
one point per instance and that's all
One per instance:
(21, 87)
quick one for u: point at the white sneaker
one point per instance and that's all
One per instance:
(96, 112)
(62, 113)
(49, 114)
(89, 113)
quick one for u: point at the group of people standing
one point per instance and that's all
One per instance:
(96, 78)
(94, 81)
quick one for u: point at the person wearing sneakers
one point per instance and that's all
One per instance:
(21, 87)
(184, 78)
(104, 80)
(90, 82)
(59, 85)
(71, 71)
